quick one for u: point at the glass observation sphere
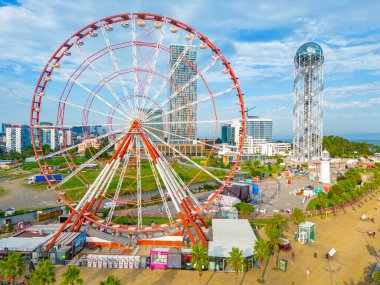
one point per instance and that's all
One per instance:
(309, 54)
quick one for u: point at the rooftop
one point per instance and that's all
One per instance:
(228, 233)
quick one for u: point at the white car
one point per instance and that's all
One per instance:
(10, 212)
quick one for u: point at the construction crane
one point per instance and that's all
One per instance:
(249, 109)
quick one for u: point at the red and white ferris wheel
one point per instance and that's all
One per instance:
(154, 85)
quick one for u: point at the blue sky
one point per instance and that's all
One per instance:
(259, 38)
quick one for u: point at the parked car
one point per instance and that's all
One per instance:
(10, 212)
(285, 244)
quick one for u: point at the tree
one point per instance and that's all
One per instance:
(273, 233)
(12, 266)
(236, 260)
(322, 201)
(279, 221)
(44, 275)
(262, 253)
(256, 163)
(279, 160)
(72, 276)
(245, 209)
(199, 258)
(298, 216)
(111, 280)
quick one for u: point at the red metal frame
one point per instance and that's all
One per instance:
(67, 45)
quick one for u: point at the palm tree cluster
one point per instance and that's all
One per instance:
(44, 275)
(348, 189)
(12, 267)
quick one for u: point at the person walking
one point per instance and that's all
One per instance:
(293, 256)
(307, 272)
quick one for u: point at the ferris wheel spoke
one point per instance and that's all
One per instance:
(84, 108)
(75, 125)
(153, 65)
(75, 146)
(138, 177)
(204, 99)
(181, 137)
(118, 187)
(158, 183)
(134, 61)
(88, 162)
(77, 82)
(101, 77)
(102, 182)
(183, 187)
(168, 76)
(184, 156)
(116, 66)
(187, 84)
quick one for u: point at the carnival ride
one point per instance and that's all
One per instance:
(113, 74)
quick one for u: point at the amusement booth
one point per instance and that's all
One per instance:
(159, 258)
(306, 232)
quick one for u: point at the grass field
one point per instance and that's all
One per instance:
(313, 204)
(76, 188)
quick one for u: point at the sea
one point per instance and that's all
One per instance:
(370, 141)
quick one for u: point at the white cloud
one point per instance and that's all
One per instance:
(352, 104)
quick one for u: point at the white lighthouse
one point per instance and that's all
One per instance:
(324, 175)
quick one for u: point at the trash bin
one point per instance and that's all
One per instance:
(295, 236)
(283, 265)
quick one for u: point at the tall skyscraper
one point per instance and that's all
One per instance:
(17, 138)
(308, 100)
(183, 73)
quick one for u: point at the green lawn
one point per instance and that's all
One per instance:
(313, 204)
(77, 189)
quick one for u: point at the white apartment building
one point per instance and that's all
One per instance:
(17, 138)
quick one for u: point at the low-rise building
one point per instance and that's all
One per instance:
(229, 233)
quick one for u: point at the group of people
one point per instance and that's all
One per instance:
(371, 233)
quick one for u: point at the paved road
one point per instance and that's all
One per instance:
(20, 196)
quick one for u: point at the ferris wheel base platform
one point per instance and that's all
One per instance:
(175, 239)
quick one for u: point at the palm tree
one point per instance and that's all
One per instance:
(44, 275)
(298, 216)
(262, 252)
(279, 221)
(322, 201)
(273, 234)
(236, 260)
(71, 276)
(13, 266)
(199, 258)
(111, 280)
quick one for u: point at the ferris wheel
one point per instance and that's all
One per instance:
(149, 86)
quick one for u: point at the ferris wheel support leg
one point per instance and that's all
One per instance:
(78, 218)
(98, 205)
(184, 222)
(89, 207)
(60, 231)
(197, 214)
(198, 231)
